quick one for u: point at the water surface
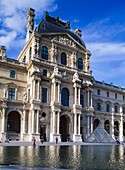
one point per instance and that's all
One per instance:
(73, 157)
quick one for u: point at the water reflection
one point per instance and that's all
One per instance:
(70, 157)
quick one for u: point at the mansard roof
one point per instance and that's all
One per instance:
(54, 25)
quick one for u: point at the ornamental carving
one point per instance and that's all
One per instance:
(66, 41)
(53, 53)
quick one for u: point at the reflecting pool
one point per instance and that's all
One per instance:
(73, 157)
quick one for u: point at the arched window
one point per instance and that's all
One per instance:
(45, 52)
(12, 74)
(80, 64)
(45, 73)
(65, 97)
(63, 58)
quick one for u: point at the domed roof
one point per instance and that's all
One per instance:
(54, 25)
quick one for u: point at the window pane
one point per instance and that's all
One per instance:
(11, 94)
(12, 74)
(44, 95)
(45, 52)
(80, 64)
(65, 97)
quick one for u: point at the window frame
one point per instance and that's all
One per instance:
(44, 53)
(12, 74)
(11, 93)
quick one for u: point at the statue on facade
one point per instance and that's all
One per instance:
(76, 76)
(53, 52)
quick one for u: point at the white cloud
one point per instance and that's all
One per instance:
(13, 18)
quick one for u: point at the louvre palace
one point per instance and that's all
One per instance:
(49, 90)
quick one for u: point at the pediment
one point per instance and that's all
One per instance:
(11, 84)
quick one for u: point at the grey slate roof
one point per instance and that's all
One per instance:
(47, 27)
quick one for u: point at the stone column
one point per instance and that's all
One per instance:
(24, 120)
(3, 120)
(79, 95)
(121, 125)
(58, 92)
(75, 95)
(38, 90)
(37, 122)
(75, 123)
(53, 122)
(112, 123)
(88, 119)
(54, 91)
(78, 124)
(33, 91)
(91, 124)
(33, 121)
(58, 120)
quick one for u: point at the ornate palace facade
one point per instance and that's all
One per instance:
(49, 90)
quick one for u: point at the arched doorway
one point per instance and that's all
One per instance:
(64, 128)
(96, 123)
(13, 125)
(116, 129)
(107, 126)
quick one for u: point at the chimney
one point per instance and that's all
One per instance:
(78, 32)
(3, 52)
(30, 22)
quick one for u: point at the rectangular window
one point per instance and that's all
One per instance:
(115, 95)
(81, 100)
(107, 108)
(123, 97)
(107, 94)
(98, 92)
(11, 94)
(44, 95)
(116, 109)
(98, 107)
(123, 110)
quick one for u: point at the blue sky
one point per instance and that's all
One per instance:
(102, 23)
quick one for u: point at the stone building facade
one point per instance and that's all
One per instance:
(49, 90)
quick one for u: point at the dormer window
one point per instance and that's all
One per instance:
(63, 58)
(80, 64)
(12, 74)
(44, 53)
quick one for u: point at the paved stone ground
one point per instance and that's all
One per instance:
(22, 143)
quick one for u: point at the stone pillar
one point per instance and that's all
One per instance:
(79, 95)
(112, 124)
(24, 120)
(75, 95)
(58, 120)
(54, 91)
(88, 120)
(59, 92)
(121, 125)
(37, 122)
(53, 122)
(75, 123)
(38, 91)
(3, 120)
(78, 124)
(33, 121)
(91, 124)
